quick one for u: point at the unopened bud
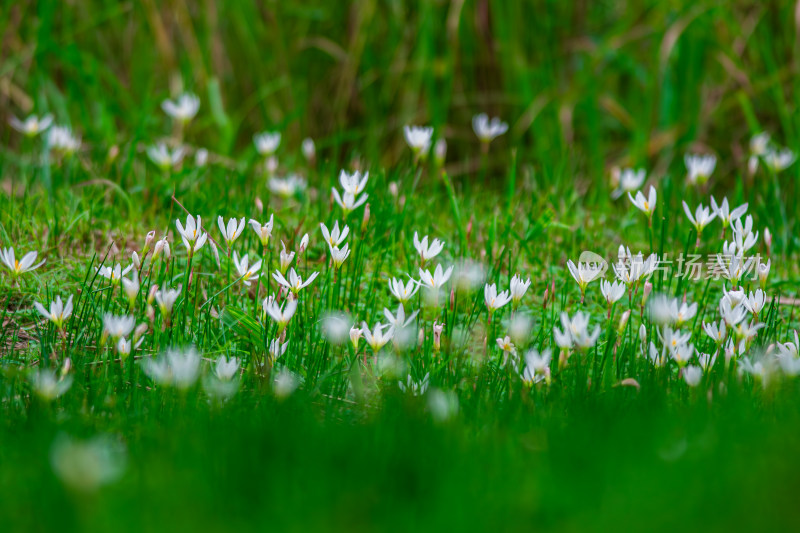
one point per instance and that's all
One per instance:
(440, 151)
(135, 260)
(623, 321)
(303, 244)
(259, 205)
(365, 220)
(309, 149)
(394, 190)
(648, 288)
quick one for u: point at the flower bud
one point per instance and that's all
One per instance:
(394, 190)
(648, 288)
(259, 205)
(303, 244)
(437, 336)
(440, 151)
(623, 321)
(135, 260)
(201, 157)
(148, 240)
(643, 334)
(365, 220)
(309, 149)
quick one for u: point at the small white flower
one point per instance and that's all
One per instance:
(403, 292)
(114, 274)
(487, 130)
(702, 216)
(348, 201)
(630, 180)
(31, 126)
(418, 138)
(267, 142)
(309, 150)
(493, 300)
(723, 212)
(377, 338)
(537, 366)
(286, 382)
(692, 375)
(19, 266)
(399, 320)
(354, 183)
(166, 298)
(184, 108)
(584, 273)
(176, 368)
(192, 234)
(288, 186)
(201, 157)
(518, 288)
(61, 139)
(717, 332)
(264, 232)
(247, 272)
(232, 231)
(59, 311)
(755, 301)
(226, 368)
(779, 160)
(437, 279)
(338, 255)
(334, 237)
(163, 157)
(699, 168)
(88, 465)
(645, 204)
(118, 326)
(286, 257)
(427, 251)
(276, 349)
(281, 316)
(295, 282)
(47, 385)
(612, 292)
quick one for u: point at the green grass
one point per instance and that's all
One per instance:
(584, 86)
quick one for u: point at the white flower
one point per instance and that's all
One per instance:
(31, 126)
(377, 338)
(403, 292)
(131, 287)
(633, 268)
(232, 231)
(494, 301)
(699, 168)
(247, 272)
(184, 108)
(276, 349)
(308, 148)
(264, 232)
(416, 388)
(192, 234)
(763, 272)
(176, 368)
(427, 251)
(755, 301)
(286, 382)
(518, 288)
(336, 327)
(399, 320)
(440, 151)
(47, 385)
(335, 237)
(88, 465)
(113, 274)
(443, 405)
(355, 334)
(288, 186)
(584, 273)
(702, 216)
(118, 326)
(295, 282)
(778, 160)
(736, 268)
(418, 138)
(537, 367)
(731, 314)
(286, 257)
(612, 292)
(692, 375)
(281, 316)
(435, 280)
(487, 130)
(61, 139)
(161, 246)
(645, 204)
(201, 157)
(576, 329)
(19, 266)
(717, 332)
(163, 157)
(225, 369)
(338, 255)
(166, 298)
(348, 202)
(353, 183)
(267, 142)
(59, 311)
(723, 212)
(630, 180)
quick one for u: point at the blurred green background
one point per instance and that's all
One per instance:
(603, 82)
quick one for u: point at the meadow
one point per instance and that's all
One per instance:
(442, 265)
